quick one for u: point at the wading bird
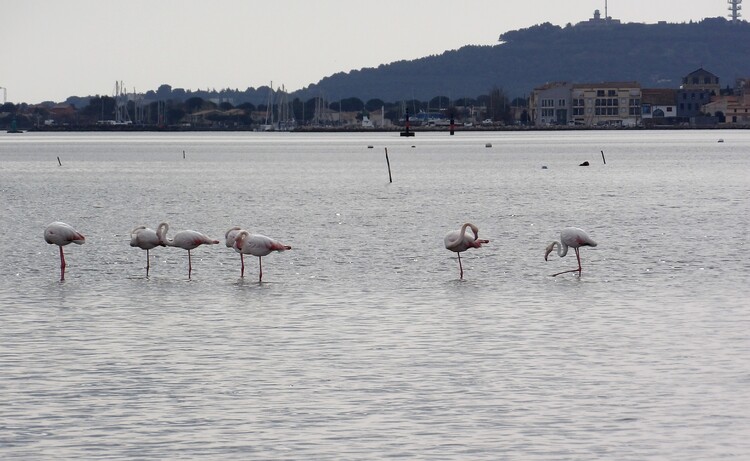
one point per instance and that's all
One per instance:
(188, 240)
(61, 234)
(146, 238)
(230, 236)
(570, 237)
(257, 245)
(458, 241)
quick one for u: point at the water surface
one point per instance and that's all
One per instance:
(362, 342)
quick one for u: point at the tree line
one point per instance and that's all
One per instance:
(198, 111)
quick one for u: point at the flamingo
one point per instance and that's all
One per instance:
(188, 240)
(257, 245)
(570, 237)
(61, 234)
(146, 238)
(230, 237)
(457, 241)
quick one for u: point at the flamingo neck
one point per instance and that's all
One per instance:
(562, 249)
(473, 229)
(161, 233)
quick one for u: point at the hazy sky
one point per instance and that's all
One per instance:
(52, 49)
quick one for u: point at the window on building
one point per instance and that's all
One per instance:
(611, 93)
(561, 102)
(669, 109)
(696, 80)
(600, 93)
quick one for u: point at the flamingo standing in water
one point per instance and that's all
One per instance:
(188, 240)
(230, 236)
(457, 241)
(257, 245)
(146, 238)
(61, 234)
(570, 237)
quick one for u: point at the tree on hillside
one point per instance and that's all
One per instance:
(498, 106)
(439, 102)
(99, 108)
(193, 104)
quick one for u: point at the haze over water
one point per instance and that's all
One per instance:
(362, 342)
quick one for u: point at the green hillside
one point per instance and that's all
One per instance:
(656, 55)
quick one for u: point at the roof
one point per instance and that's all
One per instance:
(659, 96)
(702, 72)
(608, 85)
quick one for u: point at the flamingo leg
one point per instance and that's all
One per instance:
(190, 265)
(148, 263)
(260, 265)
(460, 267)
(62, 264)
(242, 260)
(578, 269)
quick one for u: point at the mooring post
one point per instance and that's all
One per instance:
(390, 178)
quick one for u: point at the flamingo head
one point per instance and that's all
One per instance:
(549, 249)
(239, 239)
(161, 233)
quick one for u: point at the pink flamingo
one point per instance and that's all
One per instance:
(61, 234)
(188, 240)
(230, 237)
(570, 237)
(257, 245)
(146, 238)
(457, 241)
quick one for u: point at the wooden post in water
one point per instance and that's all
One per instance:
(605, 160)
(390, 178)
(58, 161)
(183, 154)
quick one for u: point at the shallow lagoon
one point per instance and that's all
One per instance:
(362, 342)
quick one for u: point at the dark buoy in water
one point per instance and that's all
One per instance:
(406, 131)
(544, 167)
(586, 163)
(488, 145)
(721, 140)
(370, 146)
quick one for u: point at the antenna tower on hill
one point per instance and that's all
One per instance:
(735, 7)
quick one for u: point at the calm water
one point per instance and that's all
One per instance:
(361, 342)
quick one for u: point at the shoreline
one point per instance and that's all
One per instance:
(177, 129)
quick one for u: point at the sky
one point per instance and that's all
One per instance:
(53, 49)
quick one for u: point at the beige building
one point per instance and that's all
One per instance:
(734, 108)
(606, 104)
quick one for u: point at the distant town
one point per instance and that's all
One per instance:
(700, 100)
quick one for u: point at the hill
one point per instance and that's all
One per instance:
(656, 55)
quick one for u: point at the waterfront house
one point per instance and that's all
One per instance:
(696, 91)
(606, 104)
(550, 104)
